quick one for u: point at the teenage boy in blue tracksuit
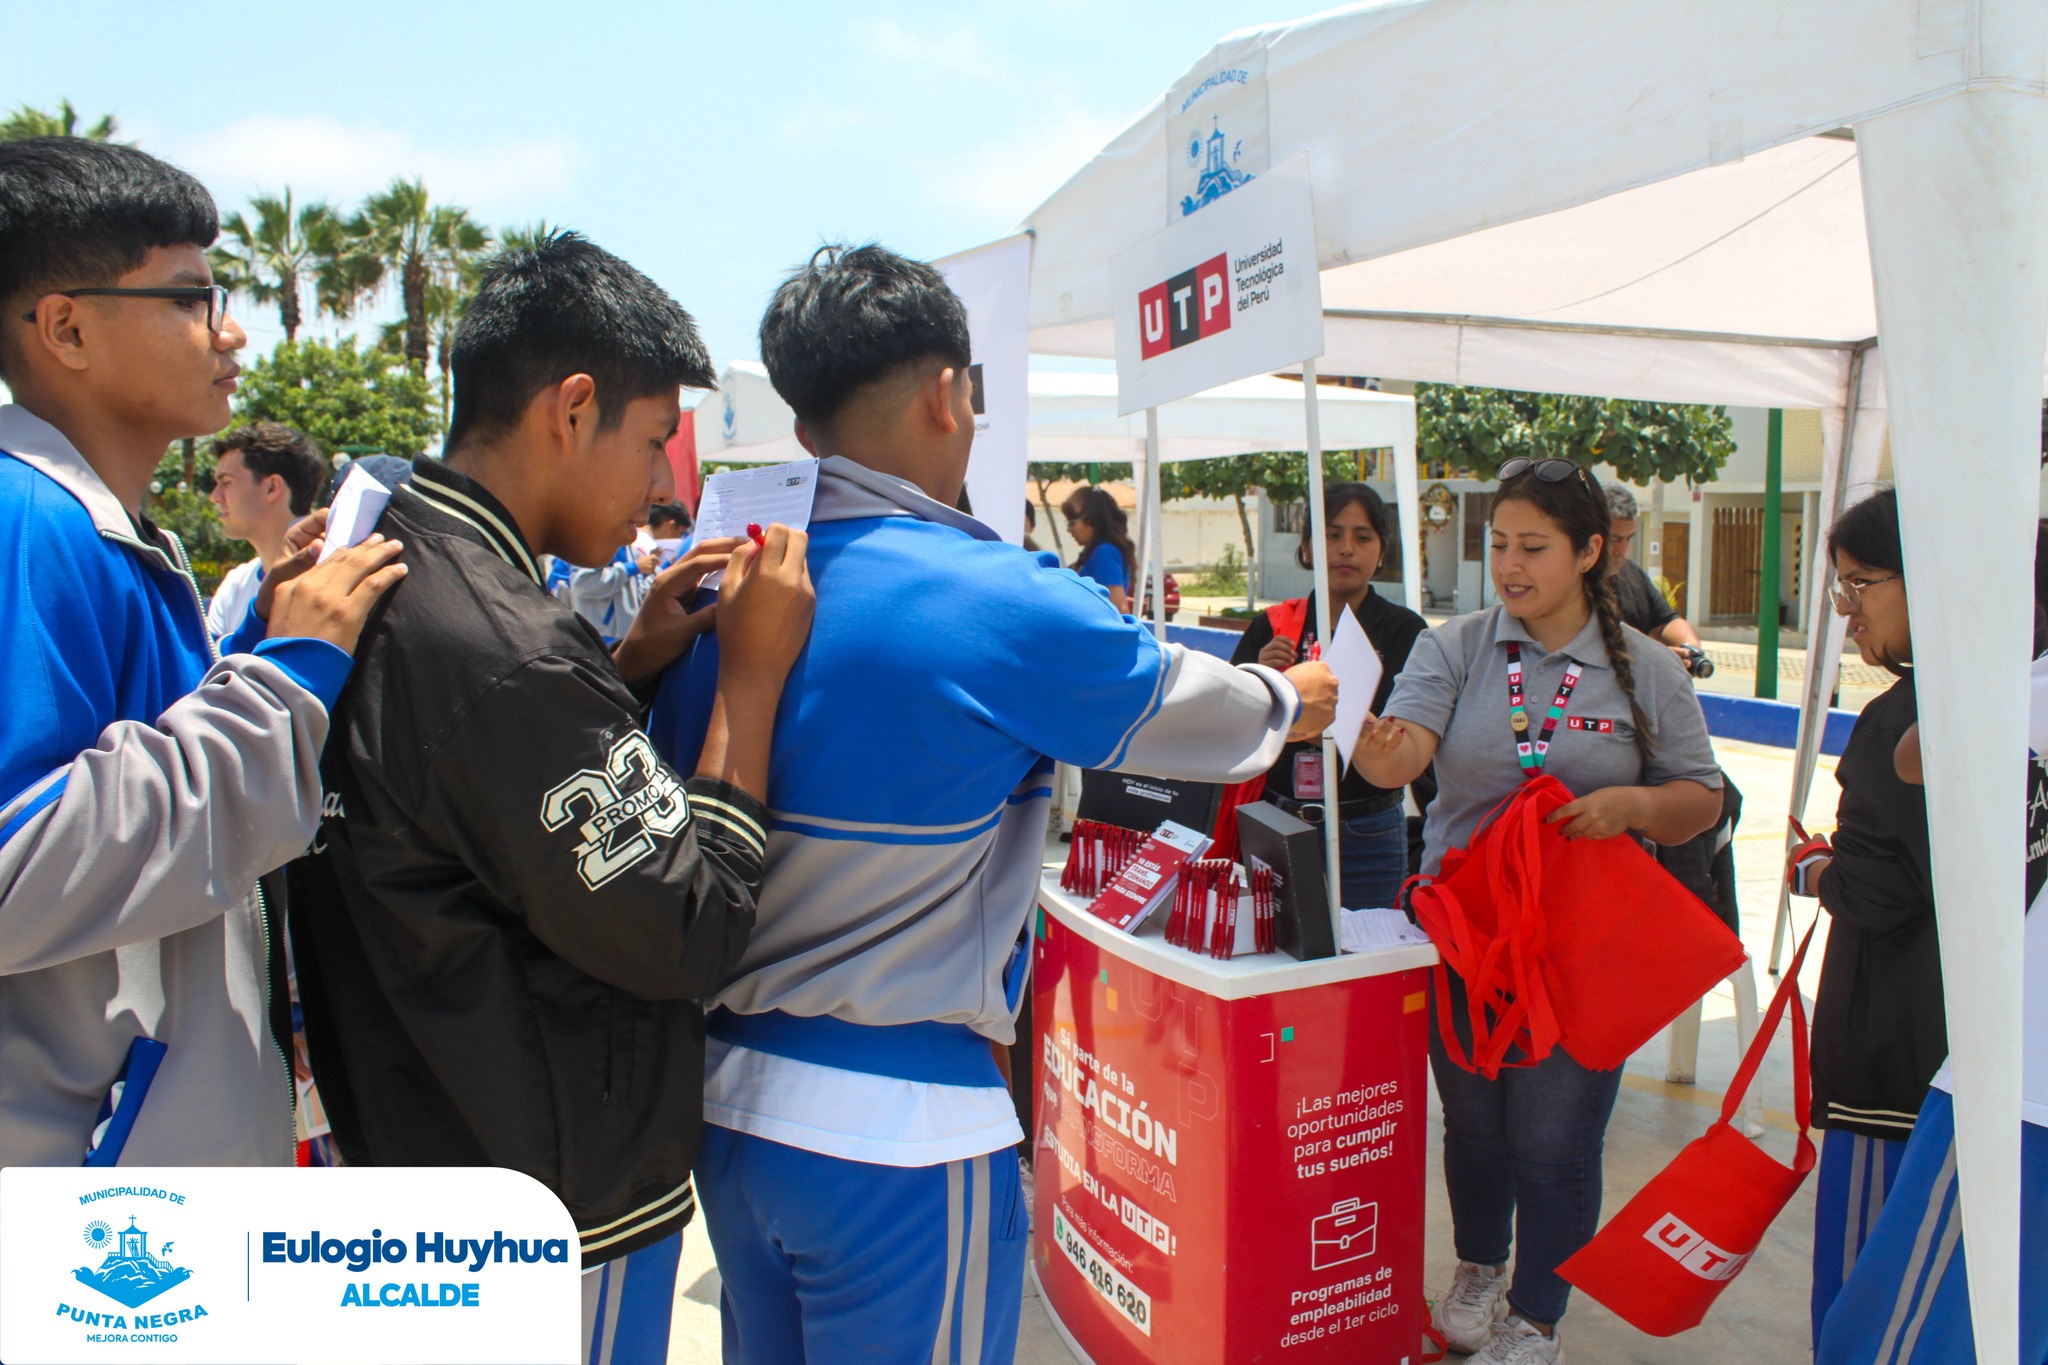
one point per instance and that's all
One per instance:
(144, 786)
(857, 1172)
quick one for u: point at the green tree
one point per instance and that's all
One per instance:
(400, 231)
(341, 395)
(267, 259)
(1482, 429)
(1281, 475)
(30, 122)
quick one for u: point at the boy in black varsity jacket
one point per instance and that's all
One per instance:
(517, 903)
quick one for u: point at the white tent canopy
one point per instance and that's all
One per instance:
(1629, 202)
(1074, 420)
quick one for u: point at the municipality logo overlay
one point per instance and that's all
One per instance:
(130, 1275)
(201, 1266)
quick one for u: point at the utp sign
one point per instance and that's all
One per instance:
(1192, 305)
(1239, 277)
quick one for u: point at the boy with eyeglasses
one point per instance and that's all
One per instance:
(144, 784)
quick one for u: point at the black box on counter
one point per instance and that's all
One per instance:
(1293, 850)
(1132, 802)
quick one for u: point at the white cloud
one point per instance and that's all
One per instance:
(958, 50)
(1011, 174)
(322, 157)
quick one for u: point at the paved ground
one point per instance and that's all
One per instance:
(1760, 1320)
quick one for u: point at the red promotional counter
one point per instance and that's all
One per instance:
(1228, 1156)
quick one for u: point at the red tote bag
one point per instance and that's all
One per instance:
(1663, 1260)
(1585, 944)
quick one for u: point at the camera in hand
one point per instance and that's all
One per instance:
(1696, 661)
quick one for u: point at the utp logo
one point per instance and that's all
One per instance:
(1192, 305)
(1671, 1236)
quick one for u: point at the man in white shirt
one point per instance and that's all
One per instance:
(264, 478)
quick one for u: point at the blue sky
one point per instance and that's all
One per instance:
(712, 146)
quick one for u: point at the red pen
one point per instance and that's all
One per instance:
(759, 537)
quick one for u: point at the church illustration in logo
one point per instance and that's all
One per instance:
(1220, 176)
(130, 1275)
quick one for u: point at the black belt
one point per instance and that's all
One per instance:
(1312, 811)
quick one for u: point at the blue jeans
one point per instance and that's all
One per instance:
(1372, 853)
(1522, 1164)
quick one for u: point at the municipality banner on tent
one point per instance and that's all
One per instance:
(349, 1264)
(1224, 294)
(994, 281)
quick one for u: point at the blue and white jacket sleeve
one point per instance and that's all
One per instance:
(1098, 691)
(118, 831)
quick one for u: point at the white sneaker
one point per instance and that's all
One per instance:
(1515, 1342)
(1477, 1299)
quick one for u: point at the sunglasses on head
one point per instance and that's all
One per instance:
(1550, 471)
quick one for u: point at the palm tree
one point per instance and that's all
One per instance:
(267, 260)
(527, 238)
(447, 301)
(402, 231)
(31, 122)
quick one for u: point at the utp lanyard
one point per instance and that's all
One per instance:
(1533, 755)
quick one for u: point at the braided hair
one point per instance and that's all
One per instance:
(1579, 507)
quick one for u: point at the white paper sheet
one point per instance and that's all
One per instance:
(357, 506)
(761, 496)
(1358, 668)
(1361, 931)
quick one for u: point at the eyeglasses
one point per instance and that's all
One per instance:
(215, 296)
(1848, 592)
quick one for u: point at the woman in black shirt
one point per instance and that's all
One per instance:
(1373, 845)
(1879, 1031)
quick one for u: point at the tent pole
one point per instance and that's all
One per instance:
(1770, 570)
(1319, 550)
(1408, 494)
(1823, 642)
(1155, 552)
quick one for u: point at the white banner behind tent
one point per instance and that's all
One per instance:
(1229, 292)
(994, 282)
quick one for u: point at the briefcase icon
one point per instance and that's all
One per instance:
(1348, 1232)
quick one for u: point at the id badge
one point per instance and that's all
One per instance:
(1308, 775)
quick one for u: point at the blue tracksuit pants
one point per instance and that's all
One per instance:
(1907, 1300)
(826, 1260)
(627, 1304)
(1850, 1188)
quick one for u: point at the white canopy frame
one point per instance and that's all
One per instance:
(1949, 103)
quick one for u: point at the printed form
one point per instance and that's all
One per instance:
(737, 498)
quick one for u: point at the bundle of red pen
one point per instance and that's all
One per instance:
(1265, 937)
(1096, 855)
(1204, 914)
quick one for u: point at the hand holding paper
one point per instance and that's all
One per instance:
(354, 514)
(739, 502)
(1358, 668)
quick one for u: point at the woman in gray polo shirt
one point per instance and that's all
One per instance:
(1523, 1152)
